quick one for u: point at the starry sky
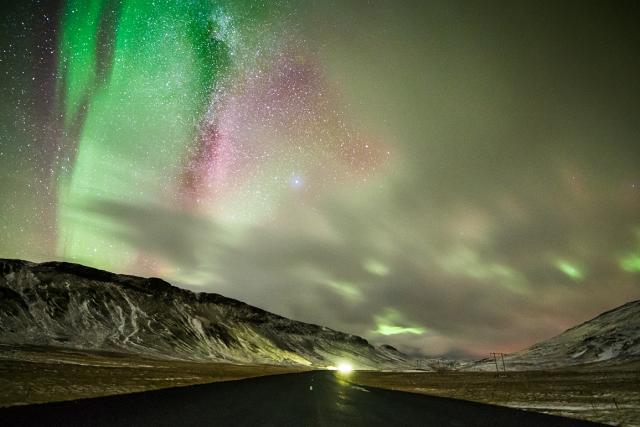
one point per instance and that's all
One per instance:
(451, 178)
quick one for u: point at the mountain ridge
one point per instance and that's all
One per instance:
(72, 305)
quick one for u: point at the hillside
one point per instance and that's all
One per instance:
(72, 306)
(612, 338)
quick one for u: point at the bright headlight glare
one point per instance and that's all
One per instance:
(345, 368)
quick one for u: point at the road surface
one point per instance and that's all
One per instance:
(319, 398)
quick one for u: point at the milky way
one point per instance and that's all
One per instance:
(448, 178)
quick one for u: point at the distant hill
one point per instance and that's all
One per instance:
(73, 306)
(612, 338)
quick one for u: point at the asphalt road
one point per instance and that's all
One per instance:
(307, 399)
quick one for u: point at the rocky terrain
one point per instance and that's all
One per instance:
(72, 306)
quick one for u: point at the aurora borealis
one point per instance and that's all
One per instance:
(448, 177)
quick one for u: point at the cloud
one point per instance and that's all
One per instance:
(470, 297)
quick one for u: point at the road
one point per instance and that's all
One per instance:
(319, 398)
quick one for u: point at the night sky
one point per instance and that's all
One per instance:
(448, 177)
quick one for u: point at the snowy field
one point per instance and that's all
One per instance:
(610, 396)
(37, 374)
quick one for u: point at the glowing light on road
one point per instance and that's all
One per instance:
(345, 368)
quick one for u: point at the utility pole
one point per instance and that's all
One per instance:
(495, 360)
(493, 355)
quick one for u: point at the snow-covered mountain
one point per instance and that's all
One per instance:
(612, 338)
(70, 305)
